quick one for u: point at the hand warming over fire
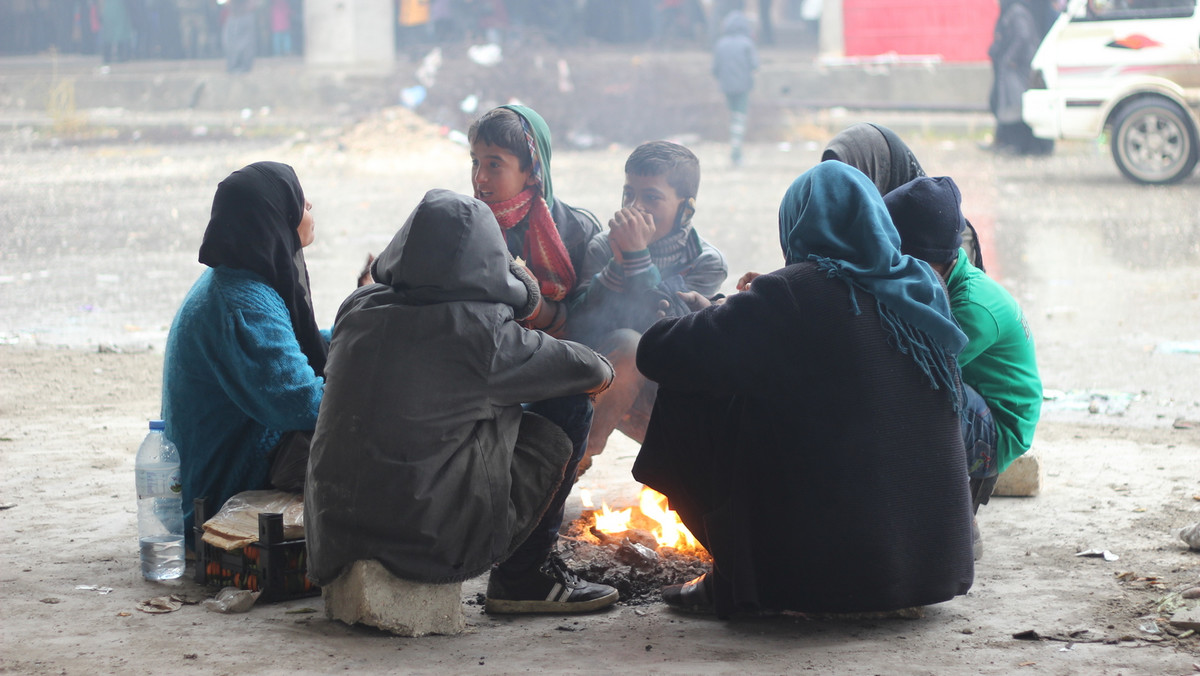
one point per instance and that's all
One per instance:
(693, 300)
(743, 282)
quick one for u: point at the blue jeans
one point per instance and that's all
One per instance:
(979, 440)
(573, 414)
(979, 435)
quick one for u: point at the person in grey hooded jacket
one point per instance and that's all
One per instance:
(423, 456)
(734, 61)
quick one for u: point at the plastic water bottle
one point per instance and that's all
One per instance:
(160, 506)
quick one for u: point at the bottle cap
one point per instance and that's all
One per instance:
(157, 425)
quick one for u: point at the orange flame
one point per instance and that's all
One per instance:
(669, 532)
(608, 521)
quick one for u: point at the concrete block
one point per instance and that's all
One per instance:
(1023, 478)
(1188, 618)
(367, 593)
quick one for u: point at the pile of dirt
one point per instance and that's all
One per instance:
(392, 130)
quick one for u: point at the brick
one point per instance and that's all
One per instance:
(366, 593)
(1188, 618)
(1023, 478)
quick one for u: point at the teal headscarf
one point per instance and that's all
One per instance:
(833, 215)
(537, 132)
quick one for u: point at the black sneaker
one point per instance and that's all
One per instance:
(550, 588)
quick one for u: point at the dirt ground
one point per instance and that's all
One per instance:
(97, 246)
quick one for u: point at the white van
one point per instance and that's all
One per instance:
(1131, 67)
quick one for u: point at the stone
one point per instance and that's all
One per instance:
(1191, 535)
(1023, 478)
(1188, 618)
(366, 593)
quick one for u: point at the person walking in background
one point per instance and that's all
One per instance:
(193, 29)
(766, 21)
(281, 28)
(238, 37)
(139, 20)
(734, 61)
(1019, 30)
(116, 31)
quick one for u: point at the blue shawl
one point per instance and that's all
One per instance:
(834, 216)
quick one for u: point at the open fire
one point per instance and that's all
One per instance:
(638, 549)
(651, 514)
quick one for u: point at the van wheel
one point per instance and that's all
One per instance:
(1153, 141)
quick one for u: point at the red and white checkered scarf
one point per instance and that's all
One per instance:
(543, 252)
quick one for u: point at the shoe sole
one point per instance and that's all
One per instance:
(507, 607)
(693, 610)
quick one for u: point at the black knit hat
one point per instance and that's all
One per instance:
(928, 215)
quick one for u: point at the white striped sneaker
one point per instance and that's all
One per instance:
(549, 588)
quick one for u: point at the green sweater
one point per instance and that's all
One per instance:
(999, 360)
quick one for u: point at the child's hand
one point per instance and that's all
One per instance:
(694, 301)
(631, 230)
(744, 282)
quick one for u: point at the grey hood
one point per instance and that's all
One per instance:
(414, 460)
(737, 23)
(451, 249)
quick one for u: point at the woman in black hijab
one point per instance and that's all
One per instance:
(242, 372)
(879, 153)
(261, 223)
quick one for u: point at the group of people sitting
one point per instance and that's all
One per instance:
(865, 395)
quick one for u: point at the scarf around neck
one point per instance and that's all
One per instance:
(253, 226)
(681, 246)
(834, 216)
(543, 249)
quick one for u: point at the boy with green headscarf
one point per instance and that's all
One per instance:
(510, 172)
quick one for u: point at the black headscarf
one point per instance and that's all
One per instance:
(879, 153)
(255, 216)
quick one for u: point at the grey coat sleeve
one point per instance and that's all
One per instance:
(532, 366)
(709, 272)
(598, 254)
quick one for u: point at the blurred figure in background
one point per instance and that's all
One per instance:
(1019, 30)
(193, 29)
(734, 61)
(281, 28)
(765, 20)
(116, 32)
(238, 37)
